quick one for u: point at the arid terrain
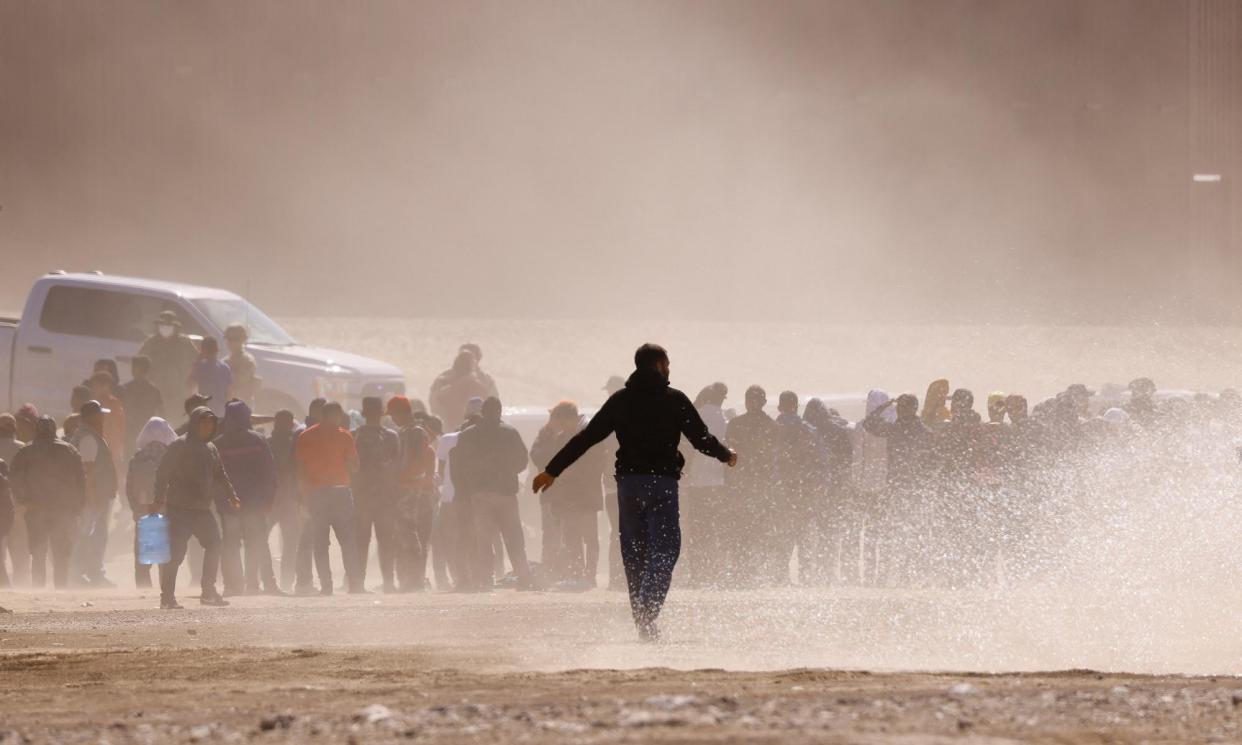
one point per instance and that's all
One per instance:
(107, 667)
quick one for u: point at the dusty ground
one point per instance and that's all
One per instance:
(106, 667)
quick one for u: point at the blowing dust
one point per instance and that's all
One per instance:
(1120, 555)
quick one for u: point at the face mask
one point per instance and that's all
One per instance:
(165, 330)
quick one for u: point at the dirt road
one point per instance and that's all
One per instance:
(106, 667)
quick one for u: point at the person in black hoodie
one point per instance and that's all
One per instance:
(251, 469)
(484, 467)
(189, 478)
(649, 418)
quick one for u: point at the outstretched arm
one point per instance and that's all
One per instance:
(695, 430)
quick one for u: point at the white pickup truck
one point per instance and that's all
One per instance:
(71, 320)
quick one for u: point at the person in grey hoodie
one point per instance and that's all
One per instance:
(189, 478)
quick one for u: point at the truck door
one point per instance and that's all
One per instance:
(76, 326)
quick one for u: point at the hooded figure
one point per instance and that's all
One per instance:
(49, 480)
(189, 478)
(247, 459)
(149, 449)
(251, 470)
(871, 451)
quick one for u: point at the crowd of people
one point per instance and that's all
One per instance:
(913, 494)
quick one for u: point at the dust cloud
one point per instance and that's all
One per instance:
(820, 196)
(949, 161)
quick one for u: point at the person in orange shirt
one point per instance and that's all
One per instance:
(326, 460)
(102, 385)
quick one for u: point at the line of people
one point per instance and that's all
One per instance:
(910, 495)
(918, 496)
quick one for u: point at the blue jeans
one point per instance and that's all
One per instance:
(650, 540)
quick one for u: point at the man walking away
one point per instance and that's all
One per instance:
(649, 418)
(375, 490)
(252, 471)
(485, 467)
(50, 483)
(151, 445)
(142, 401)
(101, 484)
(326, 459)
(189, 478)
(286, 511)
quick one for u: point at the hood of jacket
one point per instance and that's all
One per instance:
(236, 417)
(155, 430)
(646, 379)
(191, 432)
(876, 399)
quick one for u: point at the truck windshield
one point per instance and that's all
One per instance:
(227, 311)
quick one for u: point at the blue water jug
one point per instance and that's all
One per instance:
(153, 544)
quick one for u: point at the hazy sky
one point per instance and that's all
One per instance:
(904, 159)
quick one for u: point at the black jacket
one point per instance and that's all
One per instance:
(48, 475)
(191, 475)
(909, 444)
(488, 458)
(649, 418)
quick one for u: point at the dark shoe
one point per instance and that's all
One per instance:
(326, 592)
(214, 601)
(166, 604)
